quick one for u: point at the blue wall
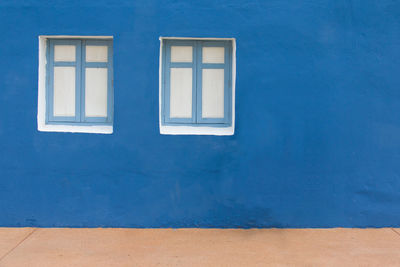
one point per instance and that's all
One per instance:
(317, 141)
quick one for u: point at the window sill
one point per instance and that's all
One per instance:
(192, 130)
(100, 129)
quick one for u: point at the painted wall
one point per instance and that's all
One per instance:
(317, 139)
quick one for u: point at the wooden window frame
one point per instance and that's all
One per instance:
(80, 65)
(197, 66)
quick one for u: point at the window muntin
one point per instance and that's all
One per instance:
(207, 92)
(79, 82)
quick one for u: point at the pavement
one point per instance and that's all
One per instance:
(198, 247)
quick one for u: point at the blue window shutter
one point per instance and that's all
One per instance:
(50, 80)
(108, 65)
(167, 65)
(226, 66)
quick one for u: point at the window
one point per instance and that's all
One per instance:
(79, 85)
(196, 86)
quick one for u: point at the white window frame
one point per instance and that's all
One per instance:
(41, 116)
(193, 130)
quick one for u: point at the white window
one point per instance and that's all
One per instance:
(197, 82)
(75, 84)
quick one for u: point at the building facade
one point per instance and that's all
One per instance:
(292, 118)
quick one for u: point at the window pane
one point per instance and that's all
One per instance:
(96, 53)
(213, 54)
(213, 93)
(96, 92)
(64, 91)
(181, 93)
(64, 53)
(181, 54)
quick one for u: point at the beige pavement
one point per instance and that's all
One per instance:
(199, 247)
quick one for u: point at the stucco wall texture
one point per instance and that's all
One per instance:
(317, 137)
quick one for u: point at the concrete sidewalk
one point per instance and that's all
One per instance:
(199, 247)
